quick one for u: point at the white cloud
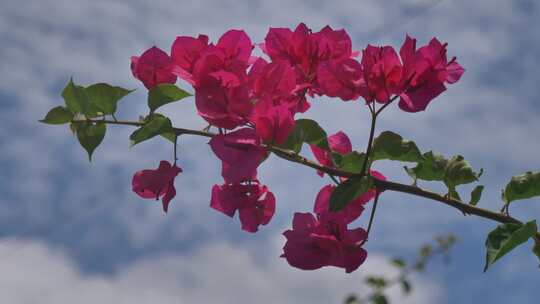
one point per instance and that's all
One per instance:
(215, 273)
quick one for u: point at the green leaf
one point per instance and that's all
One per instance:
(155, 124)
(405, 286)
(312, 133)
(476, 194)
(348, 191)
(398, 262)
(459, 172)
(351, 162)
(164, 94)
(306, 131)
(90, 135)
(452, 193)
(294, 141)
(389, 145)
(431, 168)
(522, 187)
(104, 97)
(376, 282)
(379, 298)
(505, 238)
(57, 116)
(76, 98)
(170, 136)
(351, 299)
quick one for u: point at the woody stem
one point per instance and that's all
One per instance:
(380, 185)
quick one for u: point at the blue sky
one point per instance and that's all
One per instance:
(74, 232)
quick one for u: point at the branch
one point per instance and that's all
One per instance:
(379, 184)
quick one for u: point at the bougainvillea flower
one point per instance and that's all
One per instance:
(255, 204)
(314, 243)
(381, 68)
(305, 50)
(273, 123)
(153, 67)
(240, 153)
(185, 51)
(333, 44)
(339, 143)
(236, 45)
(353, 209)
(274, 80)
(157, 183)
(340, 78)
(221, 89)
(425, 71)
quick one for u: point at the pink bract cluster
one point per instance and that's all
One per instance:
(254, 100)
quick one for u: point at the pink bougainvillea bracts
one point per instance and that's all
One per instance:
(306, 50)
(252, 102)
(315, 242)
(240, 153)
(425, 71)
(255, 204)
(339, 143)
(352, 211)
(153, 67)
(157, 183)
(381, 69)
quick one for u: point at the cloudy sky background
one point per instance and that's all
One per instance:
(71, 231)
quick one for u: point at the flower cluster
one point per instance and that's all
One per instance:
(253, 102)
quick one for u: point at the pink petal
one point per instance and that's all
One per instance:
(417, 99)
(454, 72)
(340, 143)
(236, 45)
(153, 67)
(186, 50)
(240, 154)
(339, 78)
(277, 43)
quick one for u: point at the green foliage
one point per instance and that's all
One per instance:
(398, 262)
(453, 172)
(154, 124)
(90, 135)
(76, 98)
(96, 100)
(170, 136)
(376, 282)
(57, 116)
(522, 187)
(459, 172)
(351, 299)
(306, 131)
(453, 194)
(505, 238)
(536, 248)
(379, 298)
(164, 94)
(389, 145)
(348, 191)
(350, 162)
(405, 286)
(476, 194)
(431, 168)
(104, 98)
